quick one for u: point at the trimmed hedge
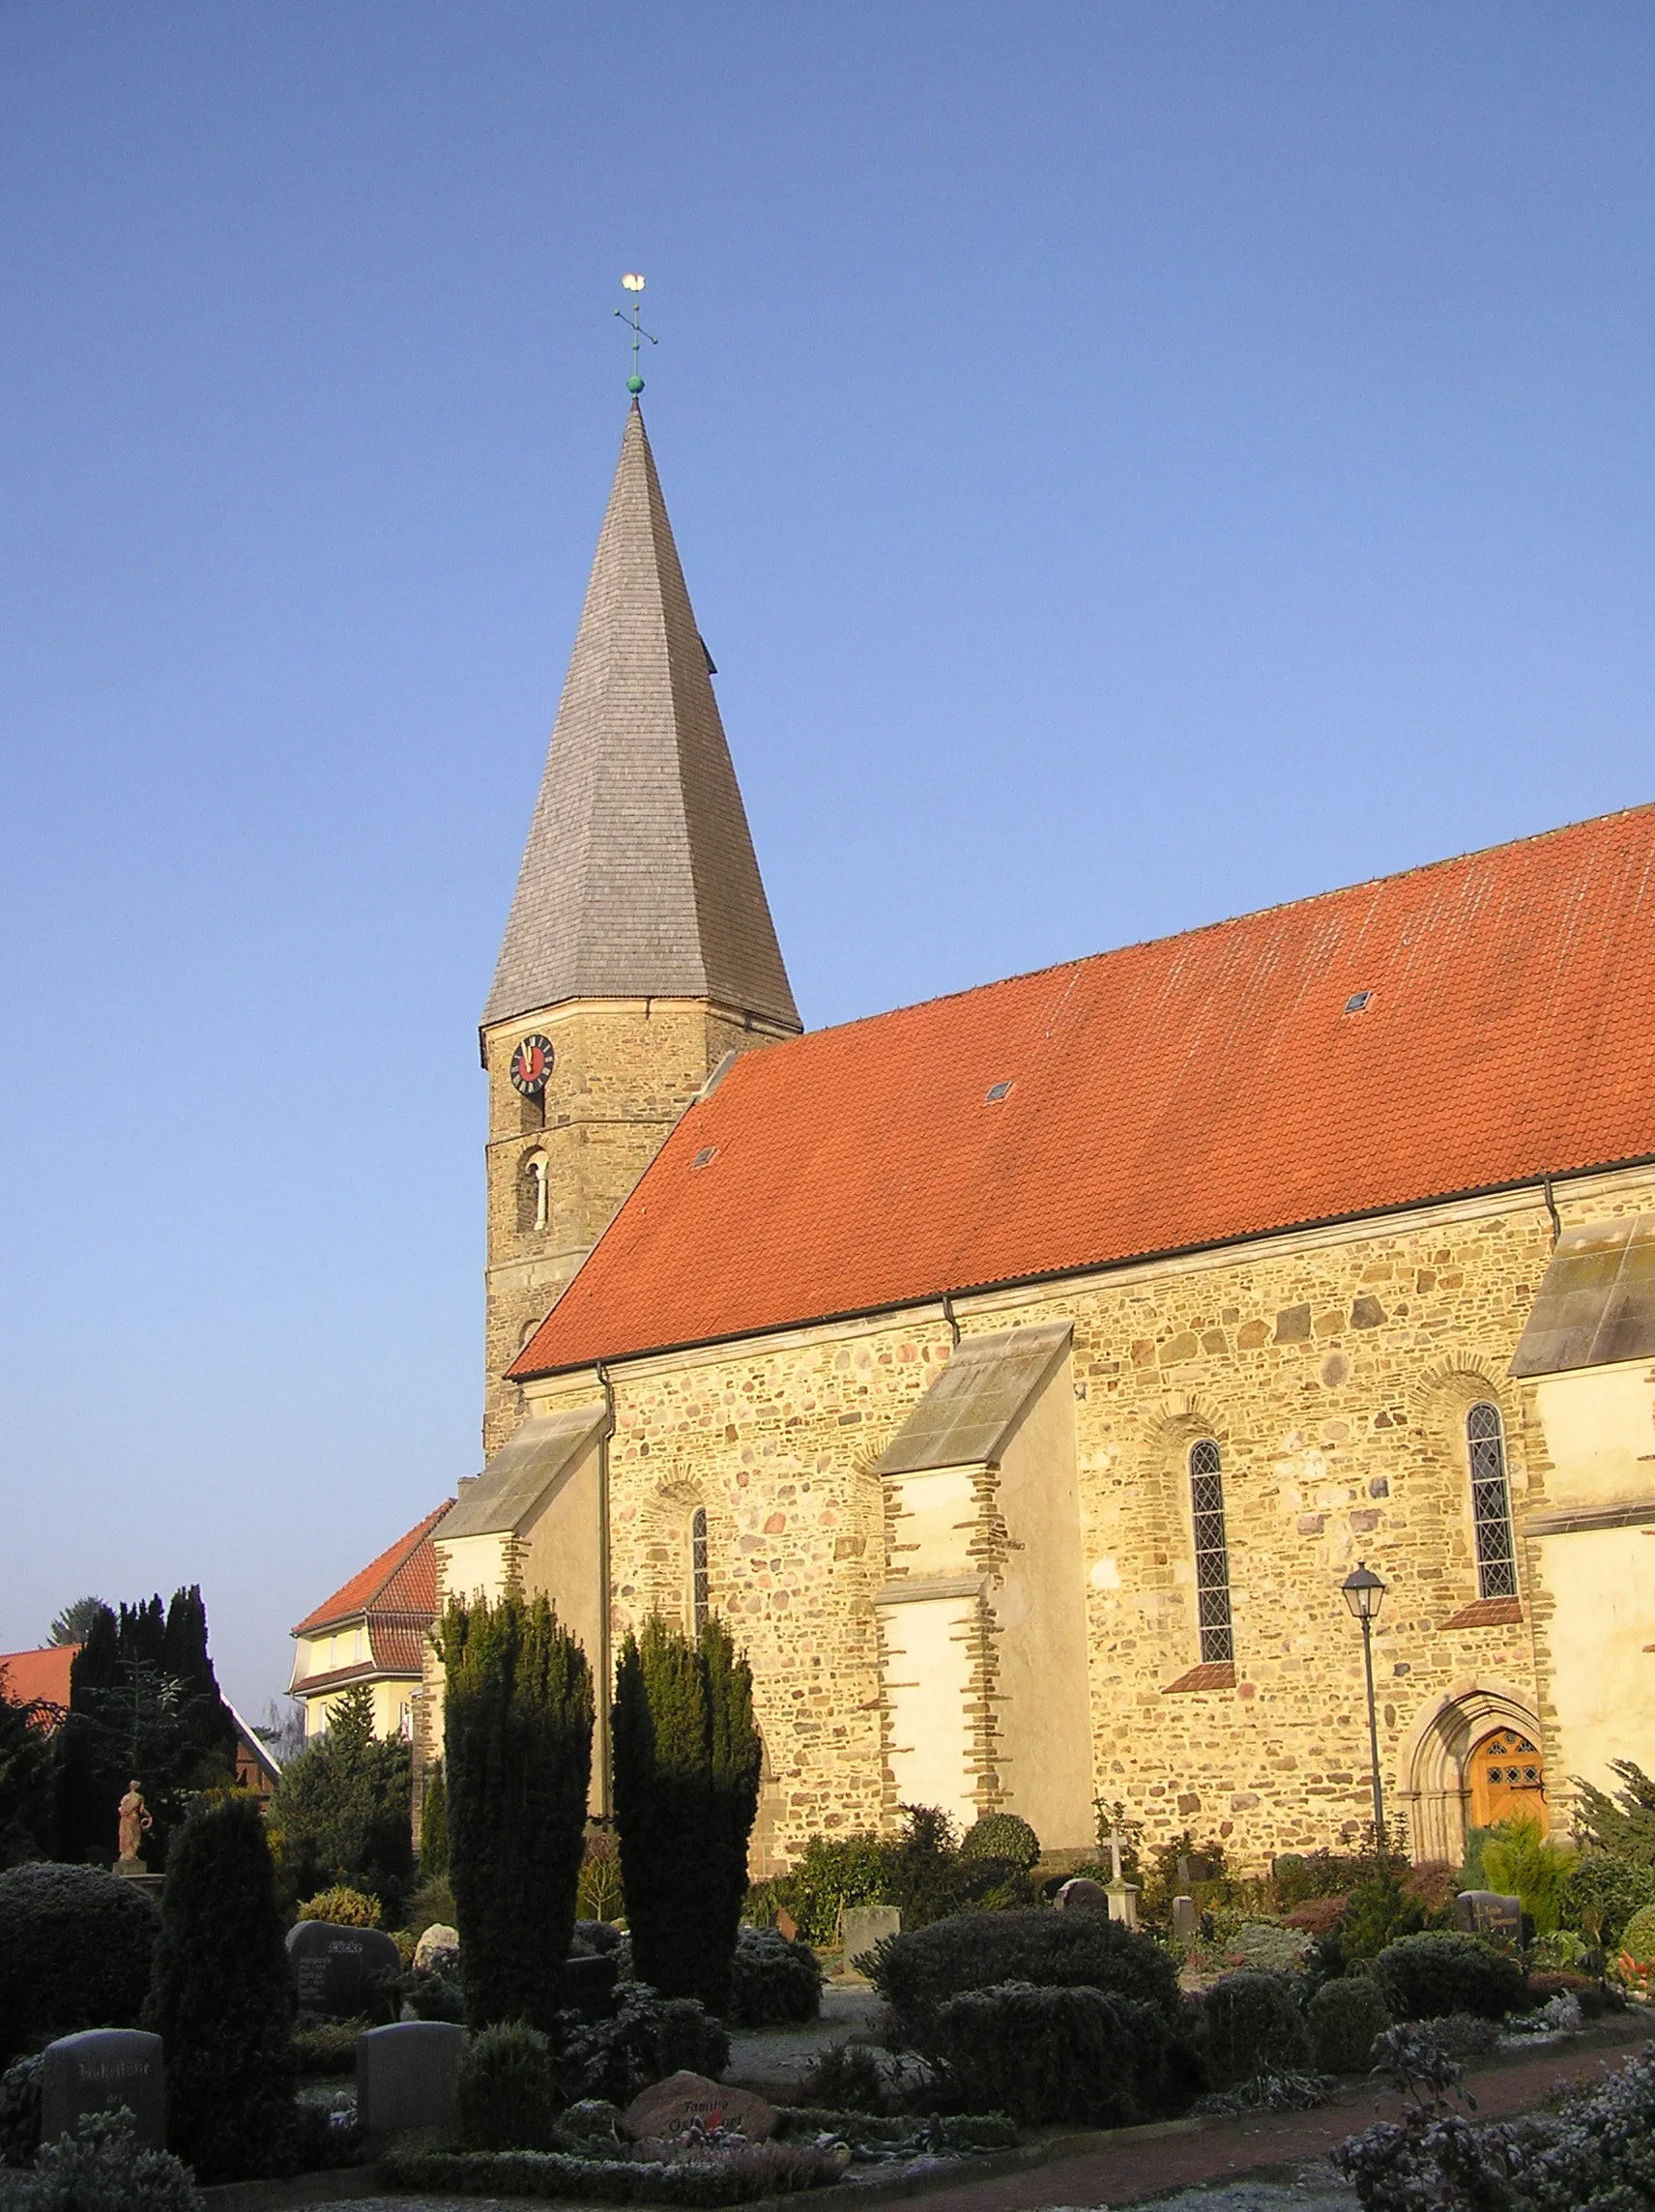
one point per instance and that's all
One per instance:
(1423, 1977)
(1081, 2054)
(917, 1973)
(772, 1982)
(737, 2177)
(1001, 1836)
(1343, 2018)
(75, 1944)
(1251, 2026)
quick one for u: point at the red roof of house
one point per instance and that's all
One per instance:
(402, 1579)
(1186, 1092)
(25, 1675)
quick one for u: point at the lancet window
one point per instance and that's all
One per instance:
(1211, 1551)
(697, 1569)
(1490, 1504)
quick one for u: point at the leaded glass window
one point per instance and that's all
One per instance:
(697, 1569)
(1490, 1504)
(1212, 1555)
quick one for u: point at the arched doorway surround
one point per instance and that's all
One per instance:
(1436, 1781)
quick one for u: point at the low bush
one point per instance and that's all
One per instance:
(20, 2111)
(75, 1945)
(1300, 1876)
(934, 2132)
(1637, 1936)
(341, 1907)
(326, 2047)
(772, 1982)
(1001, 1836)
(1378, 1912)
(1343, 2018)
(835, 1871)
(101, 2167)
(1266, 1946)
(436, 1991)
(1560, 1982)
(734, 2177)
(430, 1905)
(646, 2038)
(597, 1938)
(508, 2095)
(1317, 1915)
(1080, 2054)
(1252, 2024)
(1603, 1894)
(847, 2077)
(1457, 2034)
(1425, 1976)
(916, 1973)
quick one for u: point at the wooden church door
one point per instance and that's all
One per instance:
(1506, 1779)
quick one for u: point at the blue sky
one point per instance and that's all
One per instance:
(1131, 464)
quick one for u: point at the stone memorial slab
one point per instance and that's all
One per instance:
(1122, 1898)
(863, 1925)
(1186, 1920)
(666, 2108)
(589, 1985)
(1487, 1913)
(406, 2076)
(1084, 1892)
(99, 2069)
(437, 1937)
(332, 1966)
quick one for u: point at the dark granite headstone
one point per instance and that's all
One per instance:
(1487, 1913)
(100, 2068)
(1084, 1893)
(590, 1986)
(406, 2076)
(332, 1966)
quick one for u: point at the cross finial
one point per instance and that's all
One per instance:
(1115, 1839)
(636, 285)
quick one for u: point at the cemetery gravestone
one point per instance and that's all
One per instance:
(1186, 1920)
(332, 1966)
(406, 2076)
(1485, 1912)
(668, 2107)
(99, 2069)
(589, 1985)
(1081, 1891)
(863, 1925)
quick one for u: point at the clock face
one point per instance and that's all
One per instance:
(531, 1065)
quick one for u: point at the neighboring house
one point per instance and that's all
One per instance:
(372, 1630)
(43, 1676)
(257, 1768)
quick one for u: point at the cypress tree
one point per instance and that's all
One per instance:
(220, 1998)
(686, 1789)
(434, 1825)
(517, 1762)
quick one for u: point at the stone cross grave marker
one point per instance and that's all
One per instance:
(406, 2076)
(100, 2068)
(330, 1965)
(1122, 1895)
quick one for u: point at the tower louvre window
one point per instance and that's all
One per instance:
(532, 1194)
(1211, 1553)
(697, 1570)
(1490, 1504)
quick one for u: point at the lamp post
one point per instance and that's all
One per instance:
(1363, 1592)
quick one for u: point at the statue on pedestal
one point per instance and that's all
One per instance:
(133, 1821)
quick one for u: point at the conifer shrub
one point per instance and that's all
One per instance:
(1343, 2018)
(686, 1790)
(102, 2167)
(75, 1952)
(1251, 2026)
(342, 1907)
(847, 2077)
(1001, 1836)
(21, 2112)
(1602, 1895)
(517, 1760)
(343, 1809)
(1423, 1977)
(508, 2095)
(434, 1826)
(919, 1972)
(220, 1998)
(1082, 2054)
(773, 1981)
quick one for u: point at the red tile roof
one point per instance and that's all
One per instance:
(401, 1580)
(25, 1675)
(1171, 1095)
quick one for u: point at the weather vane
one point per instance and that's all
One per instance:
(634, 285)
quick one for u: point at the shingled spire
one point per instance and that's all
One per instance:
(639, 880)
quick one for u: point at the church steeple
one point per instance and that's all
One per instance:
(639, 880)
(639, 950)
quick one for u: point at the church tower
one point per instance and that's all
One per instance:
(639, 949)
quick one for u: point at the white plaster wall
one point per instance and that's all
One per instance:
(927, 1659)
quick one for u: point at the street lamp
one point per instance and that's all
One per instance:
(1363, 1592)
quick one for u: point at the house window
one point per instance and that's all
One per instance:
(1490, 1504)
(532, 1193)
(1211, 1556)
(697, 1569)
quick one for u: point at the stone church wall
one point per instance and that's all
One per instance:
(1333, 1370)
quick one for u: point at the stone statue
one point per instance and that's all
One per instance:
(133, 1822)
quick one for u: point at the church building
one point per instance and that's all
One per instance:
(1021, 1374)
